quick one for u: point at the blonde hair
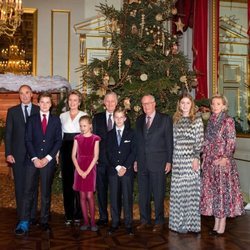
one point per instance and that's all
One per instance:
(223, 98)
(86, 118)
(77, 93)
(178, 114)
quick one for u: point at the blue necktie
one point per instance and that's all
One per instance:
(110, 125)
(119, 137)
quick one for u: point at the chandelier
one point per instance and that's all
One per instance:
(14, 61)
(10, 16)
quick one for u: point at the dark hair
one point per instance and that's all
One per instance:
(45, 94)
(26, 86)
(86, 118)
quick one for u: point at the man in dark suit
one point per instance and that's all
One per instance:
(15, 150)
(102, 123)
(154, 134)
(121, 152)
(43, 140)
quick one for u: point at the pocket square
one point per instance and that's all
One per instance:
(126, 141)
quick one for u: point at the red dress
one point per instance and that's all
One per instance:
(85, 154)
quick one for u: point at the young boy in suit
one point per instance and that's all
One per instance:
(43, 139)
(121, 154)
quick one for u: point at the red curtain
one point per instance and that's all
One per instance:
(200, 30)
(194, 14)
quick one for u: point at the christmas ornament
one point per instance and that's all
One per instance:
(133, 13)
(101, 92)
(149, 48)
(133, 1)
(142, 24)
(105, 79)
(134, 29)
(128, 62)
(174, 11)
(194, 83)
(166, 52)
(120, 62)
(96, 71)
(126, 103)
(111, 81)
(159, 17)
(179, 25)
(144, 77)
(183, 79)
(175, 89)
(174, 49)
(137, 108)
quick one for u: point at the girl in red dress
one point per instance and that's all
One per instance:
(85, 155)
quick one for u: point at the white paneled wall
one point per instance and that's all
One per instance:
(64, 58)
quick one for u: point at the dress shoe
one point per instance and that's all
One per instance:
(77, 222)
(68, 222)
(84, 227)
(212, 233)
(45, 227)
(112, 230)
(22, 228)
(143, 226)
(102, 223)
(157, 228)
(94, 228)
(34, 222)
(129, 231)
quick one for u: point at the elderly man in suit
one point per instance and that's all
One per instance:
(154, 133)
(102, 123)
(121, 152)
(43, 139)
(15, 150)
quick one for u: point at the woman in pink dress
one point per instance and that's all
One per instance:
(220, 192)
(85, 155)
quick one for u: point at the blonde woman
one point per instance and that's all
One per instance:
(220, 193)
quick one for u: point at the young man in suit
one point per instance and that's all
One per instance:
(43, 140)
(154, 134)
(121, 152)
(15, 150)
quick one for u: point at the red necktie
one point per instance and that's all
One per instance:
(44, 124)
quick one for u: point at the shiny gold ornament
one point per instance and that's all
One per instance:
(126, 103)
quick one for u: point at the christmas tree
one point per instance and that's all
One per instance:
(144, 58)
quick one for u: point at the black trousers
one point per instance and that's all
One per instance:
(46, 175)
(121, 188)
(102, 191)
(19, 171)
(71, 198)
(151, 183)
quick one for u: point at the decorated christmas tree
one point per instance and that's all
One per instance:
(144, 58)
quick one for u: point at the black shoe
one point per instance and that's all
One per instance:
(102, 223)
(34, 222)
(129, 231)
(112, 230)
(45, 227)
(212, 233)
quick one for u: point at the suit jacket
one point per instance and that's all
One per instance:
(155, 146)
(40, 145)
(15, 132)
(100, 128)
(123, 154)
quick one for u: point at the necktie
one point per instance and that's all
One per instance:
(119, 137)
(44, 124)
(110, 125)
(26, 113)
(148, 123)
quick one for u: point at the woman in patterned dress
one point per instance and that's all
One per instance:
(220, 192)
(185, 182)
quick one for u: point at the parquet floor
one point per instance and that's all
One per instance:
(237, 237)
